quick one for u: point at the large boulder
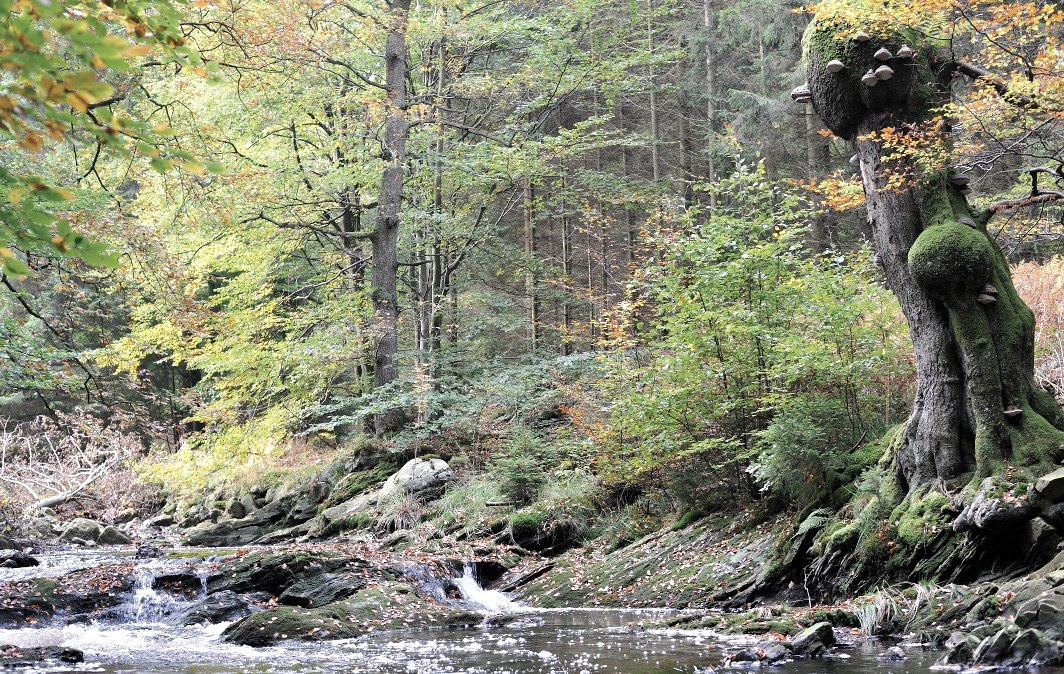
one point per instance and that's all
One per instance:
(421, 478)
(385, 606)
(81, 529)
(229, 532)
(112, 536)
(813, 640)
(320, 589)
(271, 571)
(359, 504)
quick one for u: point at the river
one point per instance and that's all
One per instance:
(522, 641)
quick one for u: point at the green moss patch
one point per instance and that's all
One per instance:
(951, 258)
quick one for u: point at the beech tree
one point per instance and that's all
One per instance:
(882, 75)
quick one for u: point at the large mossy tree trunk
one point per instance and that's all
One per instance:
(977, 406)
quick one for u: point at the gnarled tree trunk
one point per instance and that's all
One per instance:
(977, 405)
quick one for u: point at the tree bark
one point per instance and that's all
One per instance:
(386, 230)
(977, 405)
(531, 277)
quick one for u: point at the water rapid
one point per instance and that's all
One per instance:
(147, 635)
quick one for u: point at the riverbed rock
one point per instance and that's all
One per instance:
(893, 654)
(81, 529)
(813, 640)
(113, 536)
(12, 657)
(15, 559)
(762, 655)
(270, 571)
(82, 593)
(1051, 487)
(224, 606)
(386, 606)
(960, 648)
(320, 589)
(420, 478)
(1012, 646)
(8, 544)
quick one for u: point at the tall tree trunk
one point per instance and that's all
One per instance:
(977, 405)
(386, 231)
(711, 97)
(631, 234)
(652, 76)
(567, 280)
(531, 278)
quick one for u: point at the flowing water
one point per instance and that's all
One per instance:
(513, 640)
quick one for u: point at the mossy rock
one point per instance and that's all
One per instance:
(386, 606)
(353, 484)
(269, 572)
(950, 259)
(350, 523)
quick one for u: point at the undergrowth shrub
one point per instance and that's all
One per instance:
(737, 324)
(807, 450)
(522, 466)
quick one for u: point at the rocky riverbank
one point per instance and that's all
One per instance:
(339, 561)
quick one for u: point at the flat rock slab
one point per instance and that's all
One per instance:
(13, 656)
(1051, 487)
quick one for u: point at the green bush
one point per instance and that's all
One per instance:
(805, 450)
(521, 469)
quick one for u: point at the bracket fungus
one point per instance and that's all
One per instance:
(801, 94)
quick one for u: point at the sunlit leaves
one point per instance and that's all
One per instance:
(744, 320)
(64, 61)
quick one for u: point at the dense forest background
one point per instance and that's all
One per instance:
(591, 253)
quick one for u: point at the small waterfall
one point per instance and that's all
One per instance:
(475, 595)
(146, 605)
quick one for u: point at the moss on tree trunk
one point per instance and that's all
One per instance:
(977, 405)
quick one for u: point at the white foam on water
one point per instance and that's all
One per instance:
(492, 601)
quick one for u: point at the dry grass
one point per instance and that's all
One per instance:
(1042, 287)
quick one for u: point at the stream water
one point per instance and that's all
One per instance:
(578, 641)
